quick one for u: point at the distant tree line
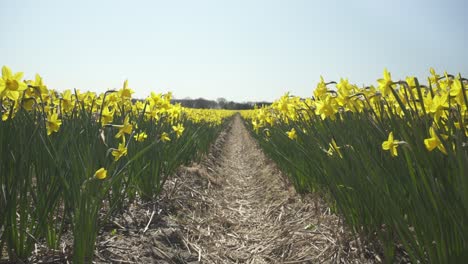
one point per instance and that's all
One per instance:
(220, 103)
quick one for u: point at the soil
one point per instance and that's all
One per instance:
(233, 207)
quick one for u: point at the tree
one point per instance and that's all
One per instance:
(221, 102)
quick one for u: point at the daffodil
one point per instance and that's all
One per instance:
(391, 145)
(434, 79)
(174, 112)
(89, 101)
(165, 137)
(434, 141)
(140, 137)
(100, 174)
(126, 128)
(53, 123)
(120, 151)
(410, 81)
(9, 109)
(107, 116)
(457, 91)
(11, 84)
(179, 129)
(321, 89)
(292, 134)
(39, 88)
(255, 125)
(333, 148)
(436, 105)
(447, 82)
(385, 83)
(67, 101)
(125, 93)
(28, 104)
(327, 107)
(344, 87)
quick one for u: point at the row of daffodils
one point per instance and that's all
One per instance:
(70, 160)
(391, 158)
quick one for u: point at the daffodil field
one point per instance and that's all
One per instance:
(392, 159)
(70, 160)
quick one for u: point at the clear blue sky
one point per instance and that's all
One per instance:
(240, 50)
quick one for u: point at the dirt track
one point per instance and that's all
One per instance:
(234, 207)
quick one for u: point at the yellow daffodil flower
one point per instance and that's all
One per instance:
(434, 141)
(100, 174)
(107, 115)
(385, 83)
(11, 84)
(179, 129)
(255, 125)
(434, 79)
(391, 145)
(321, 89)
(327, 107)
(165, 137)
(125, 93)
(121, 151)
(126, 128)
(39, 88)
(333, 148)
(456, 91)
(292, 134)
(53, 123)
(140, 137)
